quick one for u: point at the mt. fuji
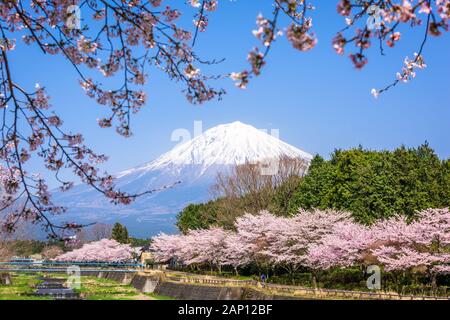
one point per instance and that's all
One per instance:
(194, 163)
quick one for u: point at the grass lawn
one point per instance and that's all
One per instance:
(156, 297)
(92, 288)
(22, 285)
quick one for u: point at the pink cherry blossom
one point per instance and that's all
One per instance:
(104, 250)
(319, 240)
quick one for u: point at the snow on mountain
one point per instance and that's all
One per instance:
(195, 163)
(227, 144)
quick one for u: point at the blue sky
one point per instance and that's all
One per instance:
(316, 99)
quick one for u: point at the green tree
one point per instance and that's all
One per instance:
(371, 184)
(445, 192)
(137, 242)
(120, 233)
(375, 184)
(197, 216)
(312, 192)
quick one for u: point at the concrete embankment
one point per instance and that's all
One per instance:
(191, 287)
(5, 279)
(158, 284)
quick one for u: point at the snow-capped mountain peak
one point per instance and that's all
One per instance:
(224, 145)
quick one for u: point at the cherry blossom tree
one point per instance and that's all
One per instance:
(421, 246)
(295, 237)
(263, 239)
(218, 247)
(347, 245)
(206, 246)
(319, 240)
(257, 235)
(235, 254)
(105, 250)
(166, 247)
(123, 39)
(308, 228)
(197, 247)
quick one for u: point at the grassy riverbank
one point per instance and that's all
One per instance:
(92, 288)
(21, 288)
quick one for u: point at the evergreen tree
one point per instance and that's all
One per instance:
(125, 236)
(376, 184)
(120, 233)
(197, 216)
(371, 184)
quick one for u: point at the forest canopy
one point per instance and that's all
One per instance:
(371, 184)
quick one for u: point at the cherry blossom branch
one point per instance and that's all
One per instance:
(298, 33)
(384, 19)
(408, 70)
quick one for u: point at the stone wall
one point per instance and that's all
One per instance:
(90, 273)
(190, 291)
(145, 284)
(184, 291)
(5, 279)
(196, 292)
(253, 294)
(122, 277)
(198, 288)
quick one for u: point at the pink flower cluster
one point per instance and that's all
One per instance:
(319, 240)
(298, 33)
(390, 16)
(113, 39)
(104, 250)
